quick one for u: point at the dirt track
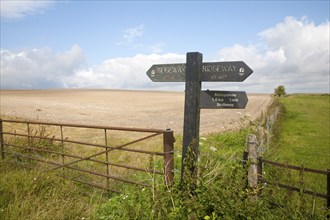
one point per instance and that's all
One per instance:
(122, 108)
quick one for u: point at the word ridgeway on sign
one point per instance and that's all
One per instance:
(232, 71)
(223, 99)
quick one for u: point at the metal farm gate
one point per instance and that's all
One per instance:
(99, 156)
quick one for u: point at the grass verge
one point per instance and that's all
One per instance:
(29, 194)
(301, 138)
(304, 131)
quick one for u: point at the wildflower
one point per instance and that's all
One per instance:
(213, 148)
(35, 178)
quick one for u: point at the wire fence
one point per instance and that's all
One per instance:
(256, 175)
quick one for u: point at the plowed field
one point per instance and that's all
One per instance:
(122, 108)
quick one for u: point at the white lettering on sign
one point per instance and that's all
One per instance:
(218, 68)
(171, 69)
(218, 77)
(241, 71)
(225, 105)
(153, 73)
(218, 100)
(225, 94)
(233, 100)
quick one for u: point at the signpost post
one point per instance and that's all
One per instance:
(193, 73)
(191, 113)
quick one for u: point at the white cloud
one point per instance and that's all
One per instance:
(38, 68)
(295, 53)
(118, 73)
(130, 34)
(43, 68)
(15, 9)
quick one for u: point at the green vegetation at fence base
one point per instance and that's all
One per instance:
(220, 194)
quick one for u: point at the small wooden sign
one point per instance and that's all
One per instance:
(223, 99)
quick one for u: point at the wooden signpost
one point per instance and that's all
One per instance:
(193, 73)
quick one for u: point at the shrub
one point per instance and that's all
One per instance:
(280, 91)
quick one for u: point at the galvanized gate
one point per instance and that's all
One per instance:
(99, 156)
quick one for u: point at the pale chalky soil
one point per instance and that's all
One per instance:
(122, 108)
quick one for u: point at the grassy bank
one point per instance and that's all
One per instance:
(304, 136)
(303, 139)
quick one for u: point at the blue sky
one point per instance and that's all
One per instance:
(111, 44)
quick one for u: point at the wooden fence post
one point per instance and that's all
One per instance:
(168, 139)
(253, 164)
(1, 140)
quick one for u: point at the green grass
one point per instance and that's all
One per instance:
(302, 139)
(305, 135)
(29, 194)
(221, 192)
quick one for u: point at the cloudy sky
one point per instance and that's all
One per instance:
(111, 44)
